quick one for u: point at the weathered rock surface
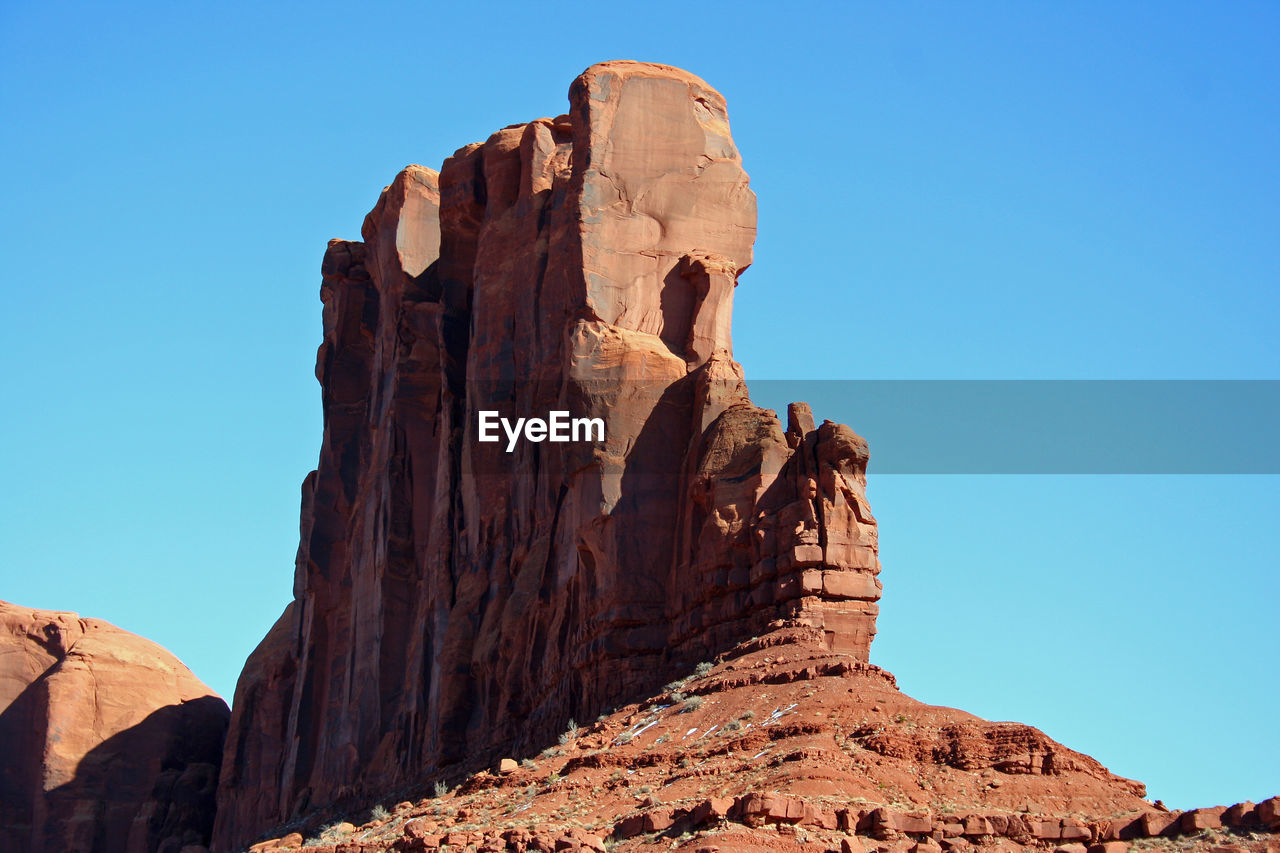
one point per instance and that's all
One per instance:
(783, 745)
(109, 742)
(456, 602)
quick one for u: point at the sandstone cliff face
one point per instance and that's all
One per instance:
(454, 601)
(109, 742)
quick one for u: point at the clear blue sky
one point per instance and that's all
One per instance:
(984, 190)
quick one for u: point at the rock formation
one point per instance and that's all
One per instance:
(786, 747)
(459, 601)
(454, 600)
(109, 742)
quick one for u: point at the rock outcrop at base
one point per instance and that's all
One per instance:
(782, 746)
(456, 599)
(110, 744)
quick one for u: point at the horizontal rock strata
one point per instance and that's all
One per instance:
(769, 750)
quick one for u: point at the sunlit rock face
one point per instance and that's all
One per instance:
(456, 601)
(109, 743)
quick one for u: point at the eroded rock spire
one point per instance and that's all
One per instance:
(454, 601)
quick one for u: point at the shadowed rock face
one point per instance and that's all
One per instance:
(453, 601)
(109, 742)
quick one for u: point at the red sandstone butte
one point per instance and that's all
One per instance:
(455, 603)
(109, 742)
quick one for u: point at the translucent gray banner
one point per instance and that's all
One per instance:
(1049, 426)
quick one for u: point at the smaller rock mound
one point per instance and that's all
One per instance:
(109, 742)
(783, 745)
